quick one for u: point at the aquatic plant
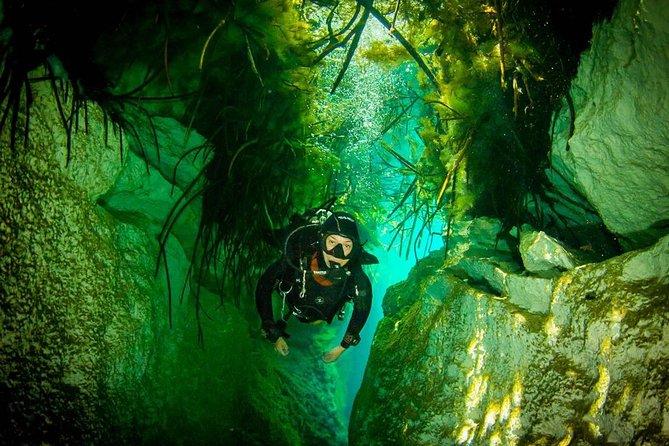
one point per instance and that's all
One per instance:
(501, 69)
(257, 123)
(245, 78)
(27, 42)
(38, 44)
(242, 92)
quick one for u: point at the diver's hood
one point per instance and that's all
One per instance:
(367, 258)
(344, 224)
(341, 223)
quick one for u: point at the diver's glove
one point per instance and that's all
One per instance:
(350, 339)
(274, 330)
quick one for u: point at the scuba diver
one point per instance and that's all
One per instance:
(319, 272)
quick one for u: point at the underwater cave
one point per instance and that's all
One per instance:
(505, 162)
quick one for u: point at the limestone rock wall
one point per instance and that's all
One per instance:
(613, 148)
(87, 354)
(546, 343)
(72, 310)
(454, 363)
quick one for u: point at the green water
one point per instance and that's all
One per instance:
(422, 112)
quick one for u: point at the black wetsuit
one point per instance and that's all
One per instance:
(311, 296)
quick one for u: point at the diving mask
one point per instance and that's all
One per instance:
(338, 246)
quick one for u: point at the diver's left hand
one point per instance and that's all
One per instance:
(333, 354)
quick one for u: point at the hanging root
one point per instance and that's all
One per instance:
(400, 38)
(13, 83)
(451, 172)
(500, 42)
(333, 40)
(252, 61)
(206, 44)
(357, 33)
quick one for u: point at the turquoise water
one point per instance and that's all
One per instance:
(392, 268)
(156, 380)
(379, 110)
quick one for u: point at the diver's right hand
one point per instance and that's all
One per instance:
(273, 331)
(281, 346)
